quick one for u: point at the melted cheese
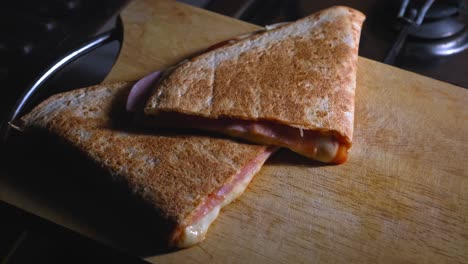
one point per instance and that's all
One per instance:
(327, 149)
(196, 232)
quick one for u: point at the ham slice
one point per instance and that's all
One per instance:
(325, 147)
(140, 91)
(198, 222)
(313, 144)
(206, 213)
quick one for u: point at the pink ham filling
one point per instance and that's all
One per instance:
(310, 143)
(134, 101)
(140, 91)
(313, 144)
(217, 197)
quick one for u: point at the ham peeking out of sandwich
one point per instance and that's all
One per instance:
(185, 179)
(312, 144)
(194, 228)
(292, 86)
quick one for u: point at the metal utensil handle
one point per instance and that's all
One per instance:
(83, 49)
(397, 45)
(413, 19)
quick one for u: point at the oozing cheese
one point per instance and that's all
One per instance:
(196, 232)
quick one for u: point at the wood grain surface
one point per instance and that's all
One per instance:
(401, 198)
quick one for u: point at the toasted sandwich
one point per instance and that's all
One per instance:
(186, 179)
(291, 86)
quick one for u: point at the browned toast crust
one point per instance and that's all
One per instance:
(302, 74)
(172, 172)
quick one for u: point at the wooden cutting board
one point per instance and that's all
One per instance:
(402, 196)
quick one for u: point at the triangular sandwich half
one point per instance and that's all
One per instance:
(186, 179)
(291, 86)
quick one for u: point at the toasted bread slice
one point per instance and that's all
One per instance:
(291, 86)
(187, 179)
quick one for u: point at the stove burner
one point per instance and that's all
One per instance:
(445, 9)
(442, 20)
(443, 32)
(410, 16)
(442, 28)
(433, 29)
(440, 47)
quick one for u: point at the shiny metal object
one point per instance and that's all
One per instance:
(411, 18)
(442, 47)
(421, 12)
(443, 28)
(34, 88)
(87, 47)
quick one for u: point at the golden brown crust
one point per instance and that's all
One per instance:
(302, 74)
(172, 172)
